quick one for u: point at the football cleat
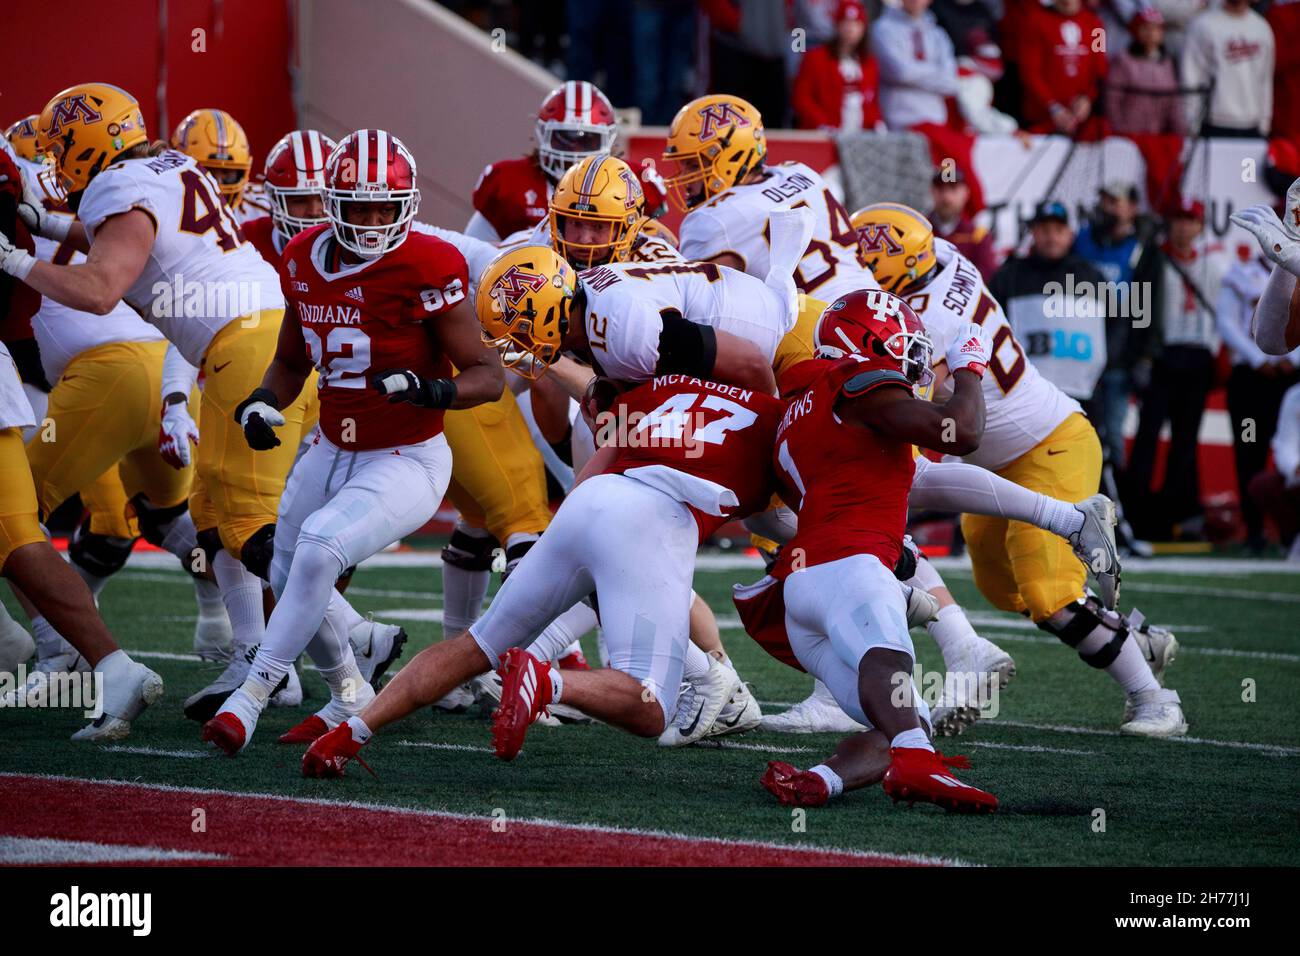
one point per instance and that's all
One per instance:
(305, 732)
(918, 774)
(33, 691)
(1154, 713)
(525, 692)
(203, 705)
(328, 717)
(330, 753)
(1094, 545)
(16, 645)
(457, 700)
(128, 688)
(817, 714)
(699, 705)
(376, 647)
(969, 684)
(739, 714)
(793, 787)
(227, 732)
(1158, 644)
(487, 694)
(575, 660)
(290, 692)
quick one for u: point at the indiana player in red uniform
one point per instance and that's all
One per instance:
(681, 456)
(843, 459)
(295, 188)
(382, 315)
(574, 122)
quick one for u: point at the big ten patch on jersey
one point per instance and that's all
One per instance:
(364, 318)
(705, 443)
(848, 483)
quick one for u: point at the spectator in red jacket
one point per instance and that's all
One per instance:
(1062, 66)
(837, 84)
(1142, 88)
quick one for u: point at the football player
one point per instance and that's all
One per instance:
(834, 607)
(1276, 327)
(684, 455)
(382, 315)
(219, 144)
(1037, 437)
(575, 121)
(158, 235)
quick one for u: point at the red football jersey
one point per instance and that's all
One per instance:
(260, 232)
(848, 483)
(515, 194)
(358, 320)
(707, 444)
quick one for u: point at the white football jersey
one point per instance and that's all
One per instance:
(202, 273)
(15, 410)
(626, 303)
(478, 253)
(1022, 407)
(735, 221)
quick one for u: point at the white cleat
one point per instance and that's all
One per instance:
(128, 688)
(818, 714)
(1154, 713)
(16, 645)
(34, 691)
(1158, 644)
(699, 705)
(376, 646)
(290, 693)
(458, 700)
(213, 639)
(1094, 545)
(740, 714)
(203, 706)
(969, 685)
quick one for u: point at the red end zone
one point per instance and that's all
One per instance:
(66, 820)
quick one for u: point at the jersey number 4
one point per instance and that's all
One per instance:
(203, 211)
(343, 359)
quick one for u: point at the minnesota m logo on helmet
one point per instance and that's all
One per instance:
(69, 110)
(876, 238)
(515, 283)
(717, 116)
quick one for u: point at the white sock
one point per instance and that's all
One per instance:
(207, 594)
(462, 598)
(1062, 518)
(953, 632)
(241, 591)
(360, 732)
(695, 664)
(350, 617)
(93, 581)
(833, 781)
(561, 633)
(912, 739)
(1130, 669)
(557, 685)
(49, 642)
(347, 685)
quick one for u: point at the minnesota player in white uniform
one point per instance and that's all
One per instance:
(1035, 436)
(1276, 326)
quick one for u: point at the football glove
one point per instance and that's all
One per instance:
(403, 385)
(1279, 239)
(14, 261)
(259, 418)
(174, 436)
(971, 349)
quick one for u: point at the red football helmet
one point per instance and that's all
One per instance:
(371, 166)
(296, 167)
(878, 324)
(575, 121)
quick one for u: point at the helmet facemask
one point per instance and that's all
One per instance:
(560, 145)
(577, 236)
(285, 222)
(371, 241)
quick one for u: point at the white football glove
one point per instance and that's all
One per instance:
(174, 436)
(14, 261)
(37, 188)
(971, 348)
(1279, 239)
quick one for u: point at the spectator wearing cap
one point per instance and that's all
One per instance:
(1122, 247)
(950, 194)
(1276, 491)
(1142, 88)
(1284, 17)
(1051, 298)
(1229, 56)
(1062, 66)
(837, 86)
(918, 69)
(1257, 382)
(1179, 381)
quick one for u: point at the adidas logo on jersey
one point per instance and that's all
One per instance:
(355, 293)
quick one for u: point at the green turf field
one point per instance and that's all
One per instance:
(1228, 795)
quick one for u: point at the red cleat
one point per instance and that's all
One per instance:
(226, 731)
(330, 753)
(794, 787)
(305, 732)
(573, 662)
(918, 774)
(525, 692)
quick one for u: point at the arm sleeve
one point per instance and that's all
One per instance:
(686, 347)
(1286, 440)
(1268, 327)
(478, 227)
(178, 375)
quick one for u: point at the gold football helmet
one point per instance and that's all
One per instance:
(86, 128)
(523, 305)
(217, 143)
(22, 137)
(595, 210)
(713, 143)
(897, 244)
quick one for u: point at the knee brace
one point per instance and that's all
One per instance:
(155, 522)
(905, 567)
(469, 552)
(98, 554)
(258, 550)
(208, 541)
(515, 554)
(1084, 618)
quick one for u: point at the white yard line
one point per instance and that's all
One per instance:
(1028, 749)
(431, 745)
(1276, 750)
(153, 752)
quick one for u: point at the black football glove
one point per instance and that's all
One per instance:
(259, 418)
(403, 385)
